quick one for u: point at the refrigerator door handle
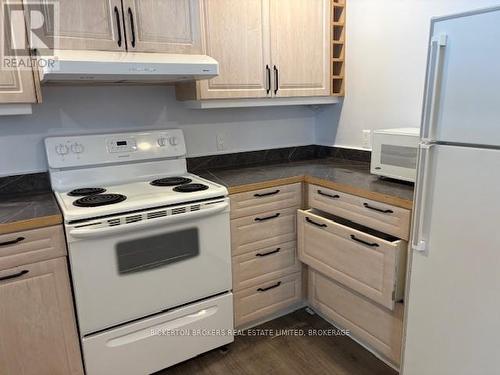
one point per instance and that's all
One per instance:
(438, 45)
(418, 242)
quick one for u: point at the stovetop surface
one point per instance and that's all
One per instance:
(139, 195)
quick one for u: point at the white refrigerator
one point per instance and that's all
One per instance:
(453, 301)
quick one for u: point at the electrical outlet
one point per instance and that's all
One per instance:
(221, 141)
(367, 139)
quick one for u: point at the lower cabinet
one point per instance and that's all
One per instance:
(267, 275)
(258, 302)
(367, 261)
(371, 324)
(37, 323)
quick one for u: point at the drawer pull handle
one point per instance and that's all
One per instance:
(267, 218)
(269, 287)
(378, 209)
(354, 238)
(329, 195)
(19, 274)
(13, 242)
(269, 253)
(317, 224)
(266, 194)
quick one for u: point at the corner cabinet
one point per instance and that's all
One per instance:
(266, 49)
(163, 26)
(16, 85)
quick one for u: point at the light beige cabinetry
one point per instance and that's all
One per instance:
(265, 49)
(17, 85)
(364, 260)
(300, 52)
(380, 216)
(356, 252)
(237, 36)
(376, 327)
(267, 276)
(36, 308)
(84, 25)
(167, 26)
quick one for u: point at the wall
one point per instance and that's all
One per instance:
(76, 110)
(386, 61)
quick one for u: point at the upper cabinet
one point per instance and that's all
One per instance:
(237, 36)
(300, 47)
(16, 85)
(166, 26)
(84, 25)
(265, 48)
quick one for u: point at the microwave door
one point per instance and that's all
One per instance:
(395, 158)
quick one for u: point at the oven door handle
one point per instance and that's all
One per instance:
(144, 224)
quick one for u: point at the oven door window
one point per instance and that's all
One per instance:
(399, 156)
(153, 252)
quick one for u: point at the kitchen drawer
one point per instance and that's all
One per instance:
(376, 327)
(263, 230)
(260, 266)
(31, 246)
(260, 301)
(369, 262)
(258, 201)
(380, 216)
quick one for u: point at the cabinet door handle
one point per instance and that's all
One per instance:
(132, 26)
(378, 209)
(268, 78)
(19, 274)
(354, 238)
(267, 218)
(266, 194)
(269, 253)
(328, 195)
(276, 79)
(119, 26)
(317, 224)
(13, 242)
(269, 287)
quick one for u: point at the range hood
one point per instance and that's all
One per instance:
(125, 67)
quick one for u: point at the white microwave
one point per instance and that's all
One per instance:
(394, 153)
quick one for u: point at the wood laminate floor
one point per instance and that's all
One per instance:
(287, 354)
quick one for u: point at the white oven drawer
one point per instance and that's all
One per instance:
(152, 344)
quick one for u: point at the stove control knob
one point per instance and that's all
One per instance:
(62, 149)
(162, 142)
(174, 141)
(77, 148)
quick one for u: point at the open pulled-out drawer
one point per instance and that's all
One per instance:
(364, 260)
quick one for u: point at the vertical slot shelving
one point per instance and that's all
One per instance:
(338, 10)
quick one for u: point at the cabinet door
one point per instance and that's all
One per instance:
(85, 25)
(16, 85)
(166, 26)
(236, 34)
(37, 321)
(300, 47)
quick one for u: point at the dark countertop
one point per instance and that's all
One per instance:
(28, 211)
(340, 174)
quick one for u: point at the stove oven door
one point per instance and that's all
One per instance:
(131, 266)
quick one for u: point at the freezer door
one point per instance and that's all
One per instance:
(463, 80)
(453, 301)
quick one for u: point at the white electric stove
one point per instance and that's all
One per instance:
(149, 250)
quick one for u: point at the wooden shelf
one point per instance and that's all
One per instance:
(338, 14)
